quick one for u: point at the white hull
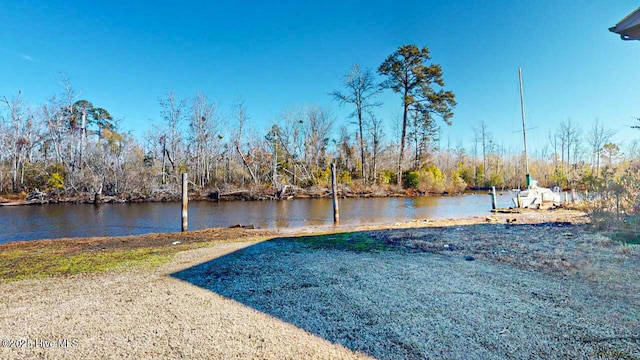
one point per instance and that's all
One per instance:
(535, 196)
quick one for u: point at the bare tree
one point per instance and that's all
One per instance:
(376, 133)
(317, 125)
(72, 145)
(15, 138)
(553, 142)
(242, 118)
(291, 134)
(55, 128)
(568, 134)
(361, 89)
(173, 115)
(570, 139)
(597, 137)
(203, 131)
(345, 150)
(633, 149)
(561, 137)
(483, 136)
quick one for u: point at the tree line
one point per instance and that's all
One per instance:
(72, 147)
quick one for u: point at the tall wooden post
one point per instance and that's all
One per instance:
(185, 202)
(494, 201)
(334, 191)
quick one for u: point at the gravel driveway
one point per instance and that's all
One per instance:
(412, 305)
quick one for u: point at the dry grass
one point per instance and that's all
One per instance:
(415, 304)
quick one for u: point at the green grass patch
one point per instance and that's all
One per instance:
(351, 241)
(628, 237)
(36, 261)
(45, 262)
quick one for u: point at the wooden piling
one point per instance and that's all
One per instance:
(185, 202)
(573, 196)
(334, 192)
(494, 204)
(97, 196)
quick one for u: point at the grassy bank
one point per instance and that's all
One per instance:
(23, 264)
(61, 257)
(548, 246)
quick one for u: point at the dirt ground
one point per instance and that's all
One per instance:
(542, 286)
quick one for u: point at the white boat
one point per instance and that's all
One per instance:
(533, 195)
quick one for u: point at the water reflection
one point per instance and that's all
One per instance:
(73, 220)
(282, 209)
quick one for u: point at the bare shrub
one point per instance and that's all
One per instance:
(614, 201)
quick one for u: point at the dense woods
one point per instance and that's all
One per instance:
(71, 147)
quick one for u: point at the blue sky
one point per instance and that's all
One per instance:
(123, 56)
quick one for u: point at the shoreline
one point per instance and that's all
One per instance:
(524, 217)
(544, 284)
(69, 256)
(38, 198)
(495, 214)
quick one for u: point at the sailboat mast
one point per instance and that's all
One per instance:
(524, 129)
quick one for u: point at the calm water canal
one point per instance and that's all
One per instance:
(83, 220)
